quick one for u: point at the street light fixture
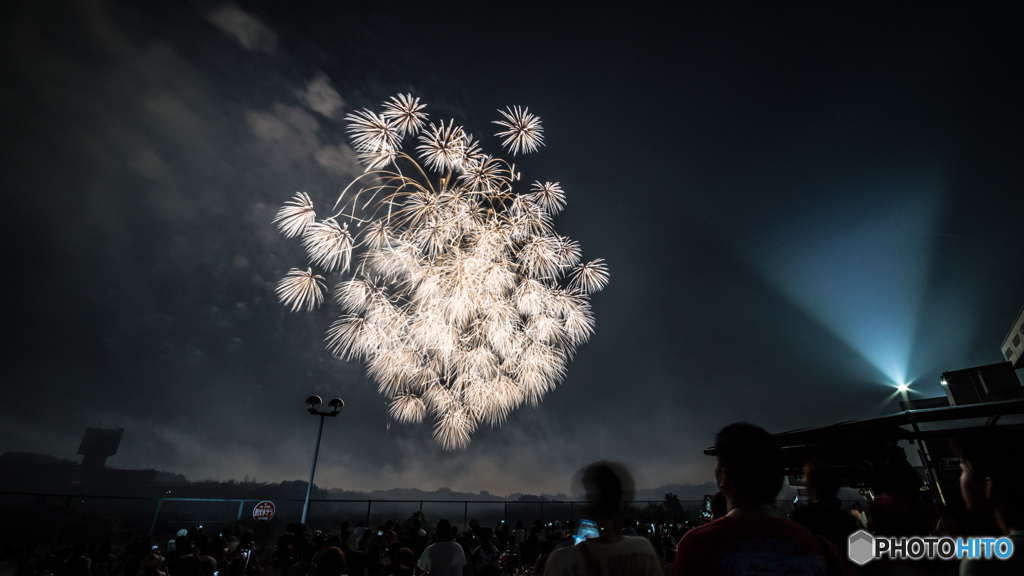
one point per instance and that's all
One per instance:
(313, 404)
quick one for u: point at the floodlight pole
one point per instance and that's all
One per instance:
(316, 451)
(312, 403)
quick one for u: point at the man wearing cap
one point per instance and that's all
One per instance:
(753, 537)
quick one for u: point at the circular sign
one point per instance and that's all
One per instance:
(263, 511)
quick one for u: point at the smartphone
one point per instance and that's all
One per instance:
(587, 529)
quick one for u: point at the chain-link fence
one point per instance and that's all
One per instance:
(173, 514)
(66, 519)
(63, 520)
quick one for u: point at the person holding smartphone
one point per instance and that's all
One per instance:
(608, 487)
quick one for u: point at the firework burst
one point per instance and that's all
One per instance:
(295, 215)
(548, 196)
(328, 244)
(301, 289)
(406, 113)
(590, 277)
(523, 132)
(463, 301)
(371, 132)
(443, 147)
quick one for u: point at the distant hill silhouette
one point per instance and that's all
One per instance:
(683, 491)
(29, 472)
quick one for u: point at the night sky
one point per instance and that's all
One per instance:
(801, 206)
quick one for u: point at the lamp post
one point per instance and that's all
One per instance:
(312, 405)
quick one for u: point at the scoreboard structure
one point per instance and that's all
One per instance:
(1013, 344)
(991, 383)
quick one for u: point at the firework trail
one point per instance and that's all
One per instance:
(463, 302)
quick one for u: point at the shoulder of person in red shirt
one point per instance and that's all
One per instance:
(700, 550)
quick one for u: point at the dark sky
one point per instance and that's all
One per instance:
(801, 205)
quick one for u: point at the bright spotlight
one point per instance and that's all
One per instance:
(903, 387)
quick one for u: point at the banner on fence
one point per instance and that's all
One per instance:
(263, 511)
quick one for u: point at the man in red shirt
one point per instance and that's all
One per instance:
(753, 537)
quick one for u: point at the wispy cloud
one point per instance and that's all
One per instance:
(321, 97)
(252, 34)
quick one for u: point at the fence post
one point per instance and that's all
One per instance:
(421, 511)
(572, 510)
(56, 535)
(368, 504)
(542, 511)
(465, 515)
(152, 527)
(241, 504)
(506, 512)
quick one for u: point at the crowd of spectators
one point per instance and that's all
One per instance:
(742, 533)
(393, 548)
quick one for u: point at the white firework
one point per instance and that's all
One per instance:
(523, 132)
(371, 132)
(443, 147)
(406, 114)
(471, 152)
(408, 409)
(377, 235)
(329, 245)
(486, 175)
(568, 252)
(377, 159)
(454, 427)
(548, 196)
(301, 289)
(346, 335)
(590, 277)
(463, 301)
(539, 257)
(296, 214)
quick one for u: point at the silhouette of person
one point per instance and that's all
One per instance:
(824, 515)
(608, 487)
(444, 557)
(991, 467)
(753, 537)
